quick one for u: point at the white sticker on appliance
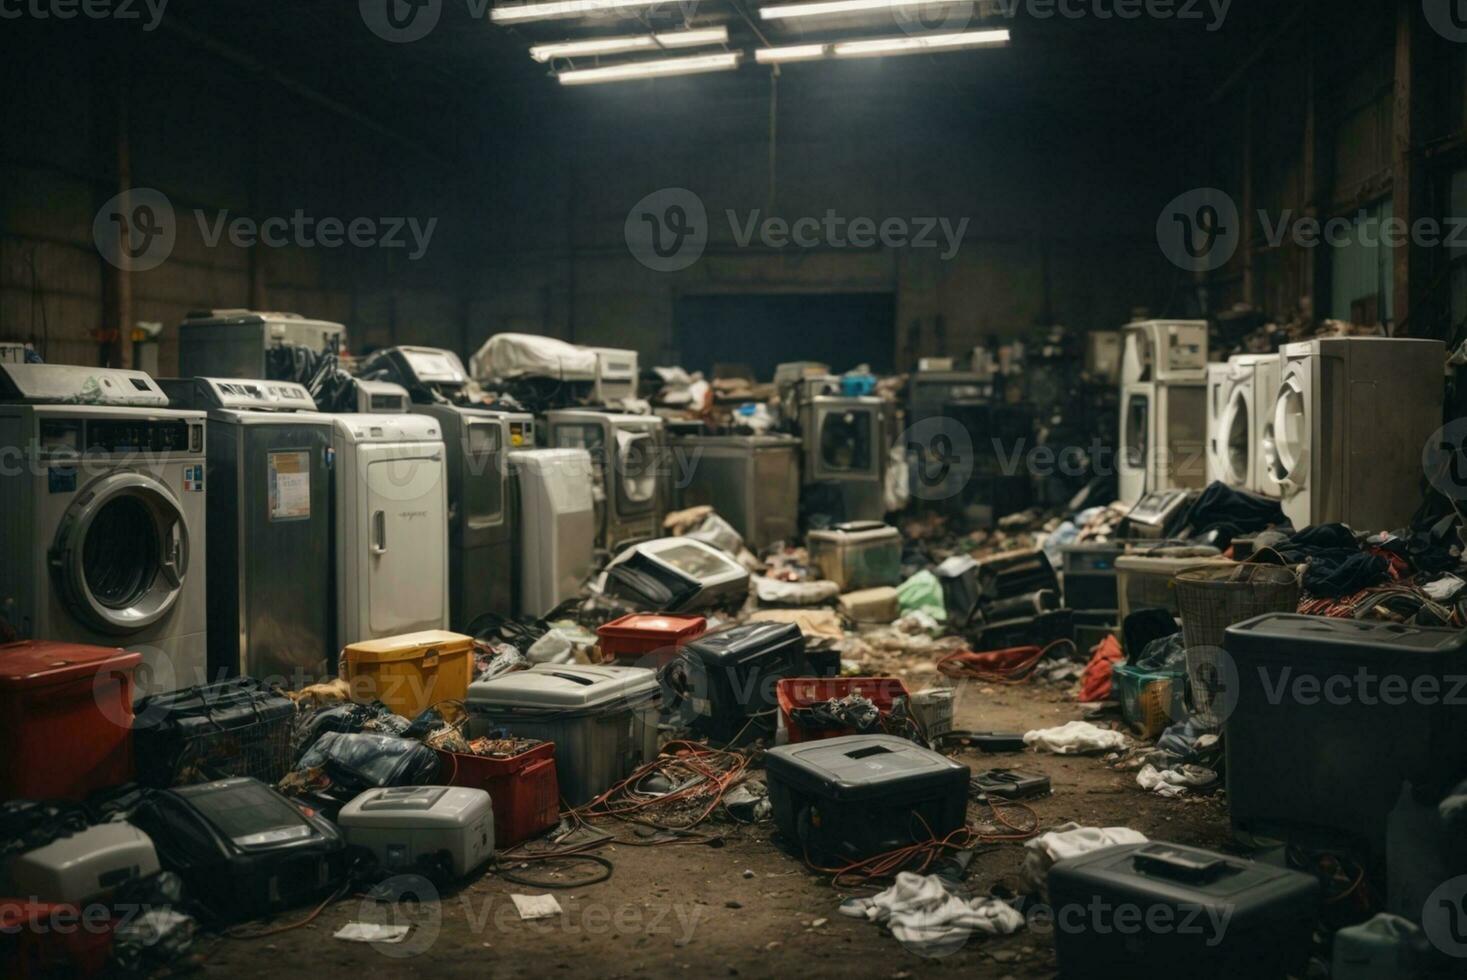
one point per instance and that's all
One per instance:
(290, 486)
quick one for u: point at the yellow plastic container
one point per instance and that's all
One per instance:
(410, 672)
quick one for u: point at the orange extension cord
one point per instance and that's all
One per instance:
(1011, 666)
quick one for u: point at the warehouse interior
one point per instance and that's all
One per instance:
(875, 487)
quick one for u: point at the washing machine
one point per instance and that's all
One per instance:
(102, 515)
(557, 526)
(390, 493)
(617, 374)
(1347, 428)
(1164, 350)
(1219, 391)
(846, 444)
(269, 525)
(628, 456)
(1163, 438)
(1253, 383)
(249, 343)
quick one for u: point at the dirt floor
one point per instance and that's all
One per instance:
(745, 909)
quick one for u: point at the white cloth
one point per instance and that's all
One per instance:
(794, 593)
(1443, 588)
(1067, 841)
(1075, 738)
(555, 647)
(921, 911)
(515, 355)
(1174, 782)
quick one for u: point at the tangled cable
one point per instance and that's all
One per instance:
(1010, 666)
(697, 778)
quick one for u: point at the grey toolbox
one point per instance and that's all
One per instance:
(405, 826)
(602, 719)
(858, 554)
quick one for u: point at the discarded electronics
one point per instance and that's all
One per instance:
(753, 482)
(850, 798)
(602, 719)
(847, 446)
(677, 575)
(1226, 917)
(616, 375)
(86, 865)
(857, 555)
(250, 344)
(414, 828)
(722, 685)
(381, 397)
(557, 526)
(1154, 515)
(628, 454)
(1090, 575)
(243, 850)
(1015, 573)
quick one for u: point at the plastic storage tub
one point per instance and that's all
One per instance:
(404, 826)
(1226, 917)
(1147, 581)
(410, 672)
(648, 639)
(844, 799)
(800, 692)
(857, 555)
(236, 727)
(602, 719)
(524, 789)
(722, 685)
(1151, 700)
(65, 719)
(1331, 717)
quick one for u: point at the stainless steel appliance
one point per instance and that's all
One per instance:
(628, 455)
(269, 526)
(753, 482)
(847, 445)
(239, 343)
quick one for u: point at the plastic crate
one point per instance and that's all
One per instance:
(650, 637)
(523, 789)
(1151, 700)
(800, 692)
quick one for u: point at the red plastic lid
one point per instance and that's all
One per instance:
(36, 663)
(654, 625)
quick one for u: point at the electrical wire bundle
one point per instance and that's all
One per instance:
(675, 792)
(1011, 666)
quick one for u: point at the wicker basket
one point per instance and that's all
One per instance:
(1211, 600)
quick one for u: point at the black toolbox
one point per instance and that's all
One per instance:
(1331, 717)
(1158, 909)
(844, 799)
(235, 727)
(722, 685)
(243, 850)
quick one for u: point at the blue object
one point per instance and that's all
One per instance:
(857, 385)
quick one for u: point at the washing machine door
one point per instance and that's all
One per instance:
(1286, 440)
(847, 443)
(1237, 438)
(636, 472)
(121, 553)
(1136, 449)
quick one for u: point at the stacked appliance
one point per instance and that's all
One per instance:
(753, 482)
(480, 502)
(1347, 428)
(391, 504)
(616, 376)
(627, 455)
(251, 344)
(929, 391)
(1163, 407)
(269, 526)
(847, 447)
(557, 526)
(105, 522)
(1253, 384)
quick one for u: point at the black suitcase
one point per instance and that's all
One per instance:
(722, 685)
(845, 799)
(235, 727)
(243, 850)
(1157, 909)
(1331, 717)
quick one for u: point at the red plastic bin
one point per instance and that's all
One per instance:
(65, 719)
(39, 940)
(641, 635)
(523, 789)
(800, 692)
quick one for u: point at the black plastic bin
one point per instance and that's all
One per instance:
(845, 799)
(235, 727)
(1331, 717)
(1158, 909)
(722, 685)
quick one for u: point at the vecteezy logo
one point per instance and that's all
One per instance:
(400, 21)
(934, 17)
(1448, 18)
(408, 900)
(668, 229)
(1212, 678)
(940, 458)
(135, 230)
(1444, 460)
(1444, 919)
(1200, 230)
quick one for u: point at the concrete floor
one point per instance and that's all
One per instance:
(684, 908)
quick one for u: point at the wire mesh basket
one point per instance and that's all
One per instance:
(1210, 600)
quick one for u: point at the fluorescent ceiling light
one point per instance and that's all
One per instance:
(914, 44)
(830, 8)
(790, 52)
(521, 12)
(636, 42)
(651, 69)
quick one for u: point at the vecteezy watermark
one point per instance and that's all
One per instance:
(404, 902)
(940, 458)
(1444, 460)
(137, 229)
(125, 10)
(1199, 231)
(402, 21)
(1448, 18)
(1444, 919)
(668, 230)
